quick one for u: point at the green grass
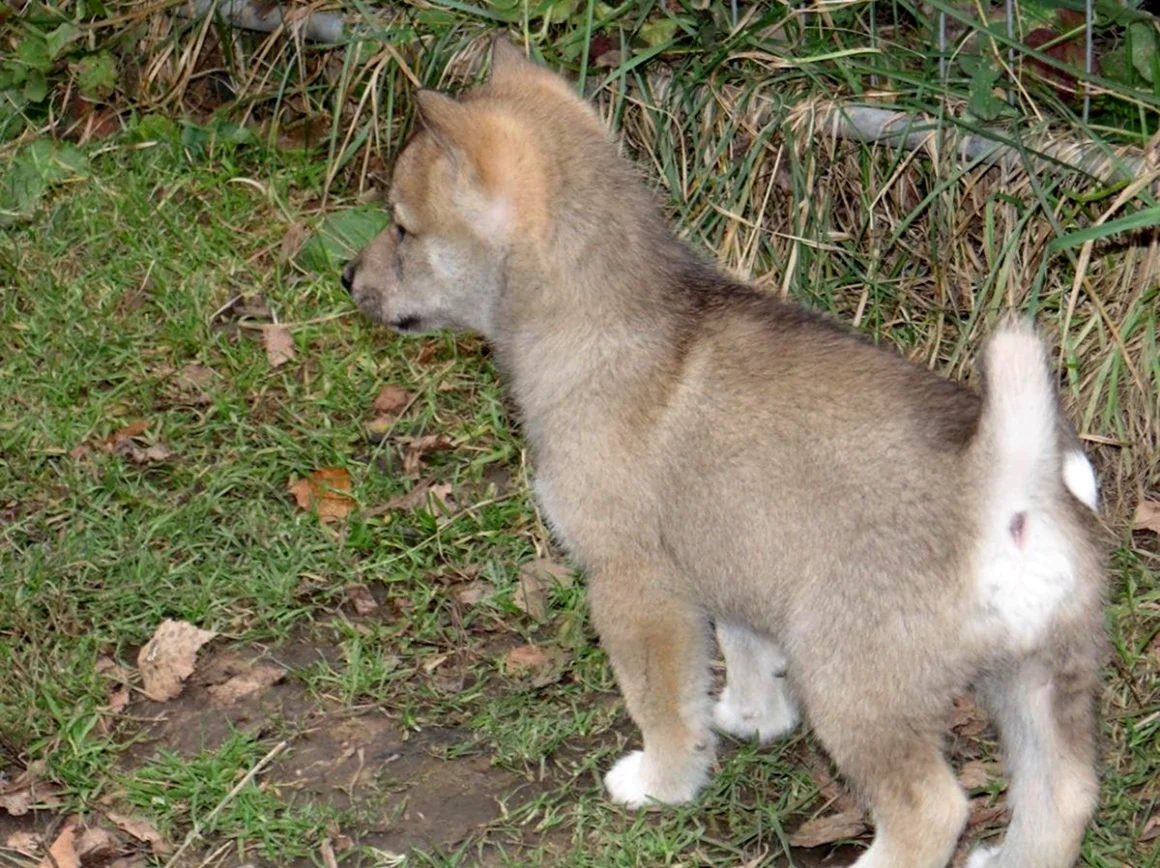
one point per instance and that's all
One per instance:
(110, 293)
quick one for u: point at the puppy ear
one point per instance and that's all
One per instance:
(480, 173)
(442, 115)
(507, 61)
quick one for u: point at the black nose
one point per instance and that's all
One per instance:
(347, 276)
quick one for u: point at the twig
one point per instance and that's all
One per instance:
(195, 832)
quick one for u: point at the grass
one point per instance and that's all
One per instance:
(120, 292)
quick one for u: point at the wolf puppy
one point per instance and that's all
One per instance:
(867, 539)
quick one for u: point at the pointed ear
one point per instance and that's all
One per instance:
(506, 59)
(442, 115)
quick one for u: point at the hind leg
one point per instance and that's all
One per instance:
(659, 647)
(1047, 725)
(897, 765)
(756, 700)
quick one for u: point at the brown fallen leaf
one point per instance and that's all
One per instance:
(418, 447)
(541, 665)
(156, 452)
(279, 345)
(392, 399)
(1147, 516)
(326, 492)
(475, 592)
(124, 434)
(25, 843)
(966, 718)
(245, 683)
(292, 241)
(1151, 830)
(536, 580)
(142, 830)
(326, 851)
(118, 700)
(95, 844)
(829, 829)
(29, 790)
(63, 852)
(982, 813)
(169, 658)
(360, 597)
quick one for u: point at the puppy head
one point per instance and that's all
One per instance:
(470, 190)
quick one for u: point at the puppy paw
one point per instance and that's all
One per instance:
(744, 720)
(984, 857)
(633, 783)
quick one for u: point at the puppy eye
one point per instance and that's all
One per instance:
(399, 232)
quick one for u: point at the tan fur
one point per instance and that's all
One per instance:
(710, 455)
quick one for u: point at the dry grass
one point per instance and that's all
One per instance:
(919, 247)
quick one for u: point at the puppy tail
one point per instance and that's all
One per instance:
(1029, 444)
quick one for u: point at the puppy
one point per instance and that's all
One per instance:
(867, 539)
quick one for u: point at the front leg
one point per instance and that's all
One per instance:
(658, 643)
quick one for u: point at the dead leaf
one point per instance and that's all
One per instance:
(63, 852)
(292, 242)
(169, 658)
(156, 452)
(475, 592)
(129, 862)
(123, 435)
(245, 683)
(142, 830)
(418, 447)
(96, 844)
(29, 790)
(829, 829)
(326, 851)
(195, 376)
(966, 718)
(1151, 830)
(360, 597)
(326, 492)
(982, 813)
(1147, 516)
(118, 700)
(524, 658)
(542, 665)
(279, 345)
(25, 843)
(392, 399)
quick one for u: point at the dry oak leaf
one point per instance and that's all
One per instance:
(829, 829)
(63, 852)
(142, 830)
(360, 597)
(279, 345)
(327, 492)
(243, 684)
(475, 592)
(392, 399)
(1147, 516)
(169, 658)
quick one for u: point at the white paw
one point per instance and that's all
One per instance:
(767, 721)
(984, 857)
(633, 782)
(626, 782)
